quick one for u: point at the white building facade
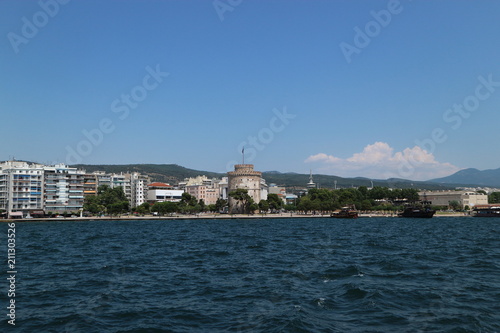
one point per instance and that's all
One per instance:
(21, 189)
(63, 188)
(464, 198)
(139, 188)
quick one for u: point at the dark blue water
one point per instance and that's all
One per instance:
(289, 275)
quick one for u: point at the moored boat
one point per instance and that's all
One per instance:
(345, 213)
(486, 211)
(415, 211)
(421, 209)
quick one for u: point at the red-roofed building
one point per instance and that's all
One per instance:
(159, 185)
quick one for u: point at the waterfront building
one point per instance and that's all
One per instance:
(280, 191)
(120, 180)
(139, 188)
(244, 177)
(63, 188)
(202, 188)
(160, 192)
(103, 178)
(224, 188)
(31, 189)
(464, 198)
(208, 194)
(264, 189)
(21, 189)
(113, 180)
(198, 180)
(291, 199)
(89, 184)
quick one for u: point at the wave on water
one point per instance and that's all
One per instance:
(290, 275)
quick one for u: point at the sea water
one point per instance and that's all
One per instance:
(259, 275)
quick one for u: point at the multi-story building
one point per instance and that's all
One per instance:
(21, 188)
(160, 192)
(139, 188)
(209, 195)
(198, 180)
(280, 191)
(224, 188)
(34, 189)
(113, 180)
(103, 178)
(202, 188)
(464, 198)
(89, 184)
(124, 182)
(63, 188)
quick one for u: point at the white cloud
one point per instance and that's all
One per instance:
(379, 161)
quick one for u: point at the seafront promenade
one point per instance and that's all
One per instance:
(214, 217)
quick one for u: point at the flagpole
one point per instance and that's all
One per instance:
(243, 153)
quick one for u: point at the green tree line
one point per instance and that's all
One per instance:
(187, 205)
(108, 200)
(113, 201)
(245, 203)
(376, 198)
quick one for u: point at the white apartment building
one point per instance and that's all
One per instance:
(21, 189)
(119, 180)
(102, 178)
(139, 188)
(30, 189)
(160, 192)
(63, 188)
(224, 188)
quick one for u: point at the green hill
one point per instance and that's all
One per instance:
(167, 173)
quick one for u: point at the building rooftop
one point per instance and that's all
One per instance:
(158, 184)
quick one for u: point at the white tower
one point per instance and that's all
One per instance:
(311, 183)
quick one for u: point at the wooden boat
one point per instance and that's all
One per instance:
(345, 213)
(420, 212)
(420, 209)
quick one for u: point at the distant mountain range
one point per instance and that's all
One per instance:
(472, 176)
(173, 173)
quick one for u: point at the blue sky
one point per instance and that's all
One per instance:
(380, 89)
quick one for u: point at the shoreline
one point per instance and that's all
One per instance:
(209, 217)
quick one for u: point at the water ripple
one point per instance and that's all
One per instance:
(280, 275)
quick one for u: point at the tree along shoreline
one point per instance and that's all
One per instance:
(112, 202)
(210, 216)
